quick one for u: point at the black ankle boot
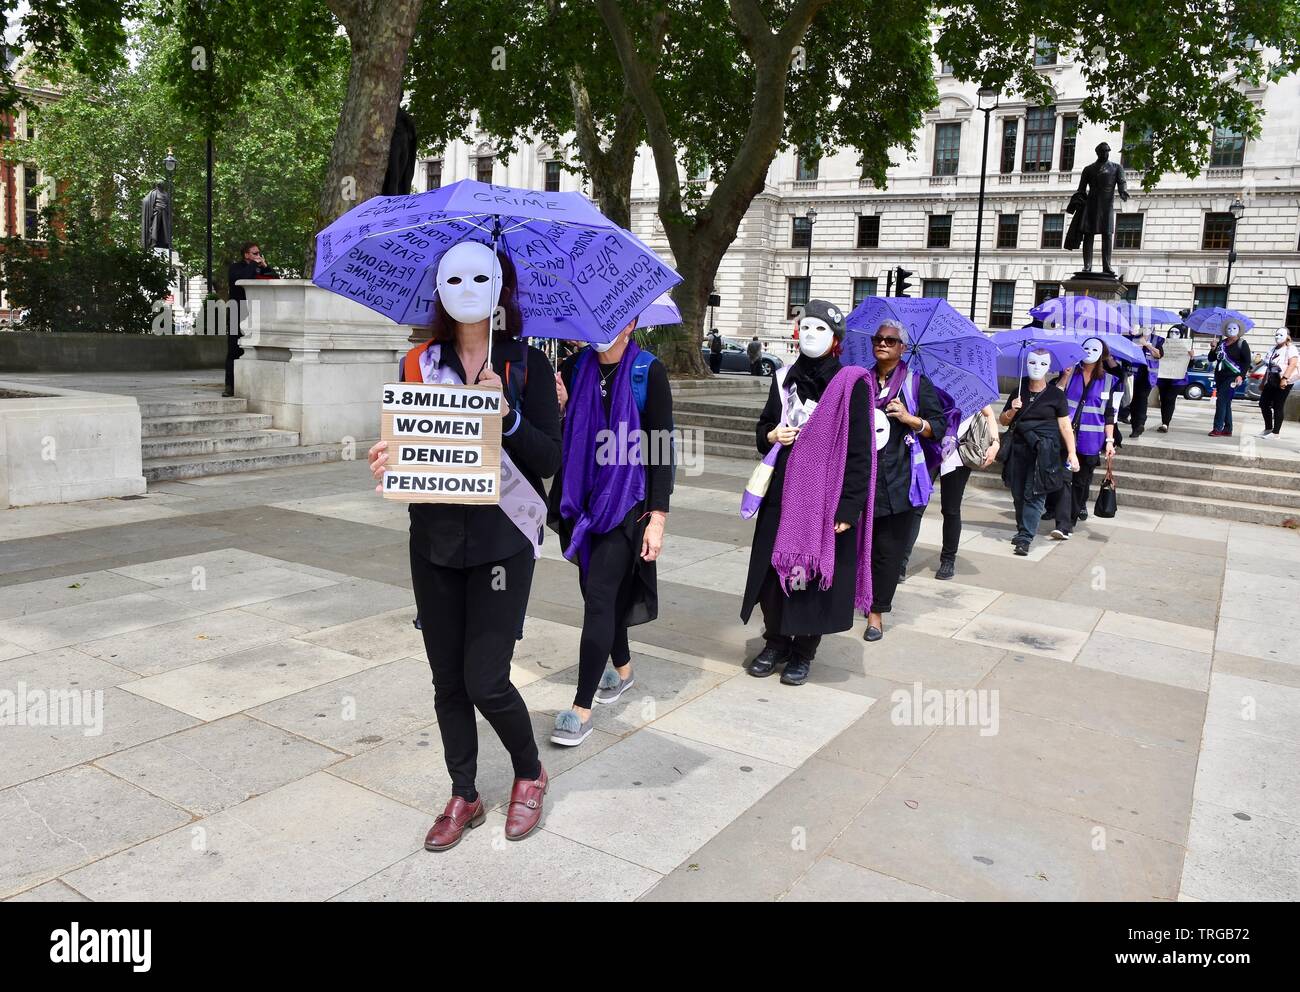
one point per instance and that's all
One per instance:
(769, 660)
(796, 671)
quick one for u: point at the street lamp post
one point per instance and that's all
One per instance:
(811, 217)
(1237, 209)
(169, 163)
(988, 102)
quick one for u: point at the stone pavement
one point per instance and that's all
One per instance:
(268, 730)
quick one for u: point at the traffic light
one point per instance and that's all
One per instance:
(901, 283)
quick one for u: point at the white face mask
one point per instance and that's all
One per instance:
(1091, 350)
(469, 282)
(1281, 337)
(815, 337)
(602, 347)
(1038, 366)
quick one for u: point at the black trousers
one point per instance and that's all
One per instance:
(1072, 499)
(1272, 404)
(1137, 408)
(469, 618)
(233, 351)
(952, 487)
(605, 593)
(771, 600)
(715, 363)
(890, 536)
(1168, 399)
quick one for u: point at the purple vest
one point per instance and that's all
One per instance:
(1090, 437)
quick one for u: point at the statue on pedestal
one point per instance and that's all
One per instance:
(156, 219)
(1093, 206)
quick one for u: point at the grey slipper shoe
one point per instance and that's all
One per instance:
(569, 730)
(612, 687)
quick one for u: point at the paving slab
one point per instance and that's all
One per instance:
(52, 891)
(334, 604)
(380, 638)
(101, 618)
(1174, 666)
(308, 840)
(1234, 856)
(61, 668)
(70, 818)
(832, 880)
(1011, 634)
(66, 590)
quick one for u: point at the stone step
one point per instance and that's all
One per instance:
(177, 446)
(719, 406)
(710, 421)
(1224, 455)
(727, 384)
(1208, 472)
(1167, 502)
(190, 408)
(195, 466)
(204, 423)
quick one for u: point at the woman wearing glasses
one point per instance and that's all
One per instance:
(908, 409)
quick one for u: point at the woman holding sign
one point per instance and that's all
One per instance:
(609, 504)
(472, 566)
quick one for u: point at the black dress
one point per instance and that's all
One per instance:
(811, 611)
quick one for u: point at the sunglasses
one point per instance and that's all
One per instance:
(880, 339)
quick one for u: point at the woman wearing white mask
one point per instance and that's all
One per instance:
(1038, 414)
(472, 566)
(1281, 370)
(1092, 394)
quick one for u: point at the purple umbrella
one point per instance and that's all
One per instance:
(1140, 315)
(661, 311)
(1082, 314)
(942, 345)
(1014, 346)
(581, 277)
(1216, 320)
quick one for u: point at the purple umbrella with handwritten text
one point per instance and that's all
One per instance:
(581, 276)
(942, 345)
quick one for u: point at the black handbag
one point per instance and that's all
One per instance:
(1107, 502)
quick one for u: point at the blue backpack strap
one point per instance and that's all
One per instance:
(641, 377)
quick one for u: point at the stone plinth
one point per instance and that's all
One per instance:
(316, 361)
(65, 445)
(1105, 288)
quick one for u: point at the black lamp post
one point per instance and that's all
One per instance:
(1237, 209)
(811, 217)
(169, 163)
(988, 102)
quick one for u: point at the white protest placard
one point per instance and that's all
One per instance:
(444, 443)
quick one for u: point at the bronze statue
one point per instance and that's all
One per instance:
(1094, 207)
(156, 219)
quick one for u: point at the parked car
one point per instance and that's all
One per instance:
(734, 358)
(1200, 382)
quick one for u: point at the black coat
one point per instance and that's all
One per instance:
(812, 610)
(1039, 440)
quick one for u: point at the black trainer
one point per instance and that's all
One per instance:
(796, 671)
(768, 661)
(947, 569)
(1022, 549)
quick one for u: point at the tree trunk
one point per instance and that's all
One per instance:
(379, 35)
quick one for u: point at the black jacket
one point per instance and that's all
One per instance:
(246, 270)
(1041, 440)
(460, 536)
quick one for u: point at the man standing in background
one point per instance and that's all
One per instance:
(250, 266)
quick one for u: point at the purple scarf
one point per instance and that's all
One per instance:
(814, 479)
(596, 496)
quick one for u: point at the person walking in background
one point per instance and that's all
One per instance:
(250, 265)
(1176, 357)
(715, 351)
(1038, 414)
(1144, 377)
(1281, 370)
(609, 504)
(1091, 394)
(912, 409)
(754, 352)
(1230, 359)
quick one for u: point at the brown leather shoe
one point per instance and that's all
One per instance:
(458, 817)
(525, 810)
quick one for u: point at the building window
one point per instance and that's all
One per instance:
(433, 174)
(1229, 149)
(1003, 304)
(800, 233)
(1131, 292)
(1128, 231)
(1040, 136)
(552, 176)
(862, 288)
(1293, 312)
(1008, 230)
(869, 231)
(1044, 52)
(1044, 291)
(483, 168)
(1209, 296)
(1053, 230)
(1009, 128)
(808, 164)
(796, 295)
(1217, 235)
(934, 289)
(1069, 137)
(947, 149)
(940, 231)
(31, 205)
(945, 68)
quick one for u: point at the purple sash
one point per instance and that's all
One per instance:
(519, 500)
(921, 487)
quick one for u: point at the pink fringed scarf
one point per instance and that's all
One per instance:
(814, 478)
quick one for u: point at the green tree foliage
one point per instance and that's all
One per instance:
(81, 275)
(107, 139)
